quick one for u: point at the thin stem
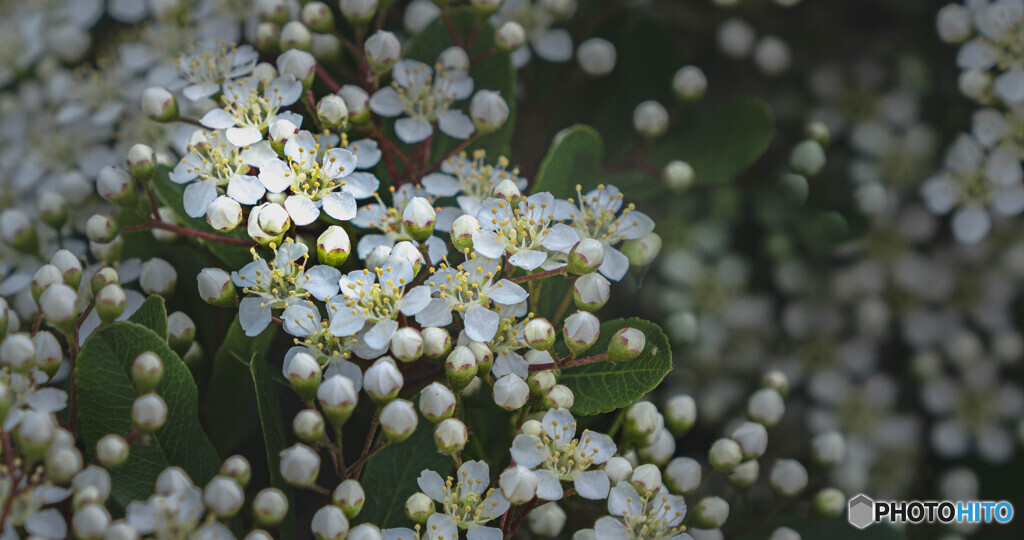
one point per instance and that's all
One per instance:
(575, 363)
(462, 146)
(321, 72)
(154, 224)
(448, 22)
(484, 55)
(539, 275)
(192, 121)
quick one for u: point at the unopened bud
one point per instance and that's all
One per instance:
(18, 352)
(830, 502)
(111, 450)
(450, 436)
(216, 288)
(141, 161)
(463, 229)
(752, 438)
(268, 223)
(303, 374)
(59, 304)
(329, 523)
(643, 250)
(237, 467)
(419, 218)
(110, 303)
(586, 256)
(159, 105)
(683, 475)
(807, 158)
(300, 465)
(90, 522)
(484, 356)
(149, 413)
(358, 11)
(224, 214)
(511, 392)
(116, 186)
(294, 35)
(299, 64)
(62, 463)
(777, 381)
(223, 496)
(17, 231)
(508, 190)
(711, 512)
(45, 277)
(419, 507)
(510, 36)
(332, 111)
(650, 119)
(318, 17)
(689, 83)
(407, 344)
(580, 331)
(181, 332)
(357, 101)
(539, 334)
(103, 277)
(382, 50)
(788, 477)
(270, 507)
(69, 266)
(147, 371)
(646, 479)
(489, 111)
(398, 419)
(626, 344)
(53, 209)
(36, 432)
(333, 246)
(268, 37)
(559, 396)
(596, 57)
(437, 402)
(518, 484)
(745, 474)
(382, 380)
(308, 425)
(436, 342)
(766, 406)
(725, 455)
(680, 414)
(158, 277)
(460, 367)
(349, 496)
(828, 448)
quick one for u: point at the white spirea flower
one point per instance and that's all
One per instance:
(465, 499)
(424, 97)
(636, 516)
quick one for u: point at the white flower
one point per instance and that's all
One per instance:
(525, 232)
(377, 297)
(551, 44)
(206, 69)
(469, 289)
(177, 511)
(247, 114)
(317, 177)
(470, 180)
(465, 499)
(424, 97)
(213, 165)
(639, 517)
(598, 216)
(388, 220)
(279, 284)
(559, 456)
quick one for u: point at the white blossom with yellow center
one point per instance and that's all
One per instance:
(465, 498)
(527, 231)
(247, 113)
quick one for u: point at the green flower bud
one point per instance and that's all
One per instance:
(333, 246)
(147, 371)
(110, 303)
(626, 344)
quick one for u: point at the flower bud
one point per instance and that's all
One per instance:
(539, 334)
(463, 229)
(318, 17)
(450, 436)
(689, 83)
(149, 413)
(807, 158)
(119, 530)
(419, 507)
(271, 10)
(518, 484)
(270, 507)
(90, 522)
(643, 420)
(828, 448)
(745, 474)
(116, 186)
(103, 277)
(18, 352)
(680, 414)
(484, 356)
(181, 332)
(268, 36)
(349, 496)
(49, 352)
(777, 381)
(59, 304)
(419, 218)
(216, 288)
(626, 344)
(436, 342)
(711, 512)
(111, 450)
(141, 161)
(36, 432)
(586, 256)
(329, 523)
(659, 451)
(110, 303)
(437, 402)
(454, 59)
(62, 463)
(325, 47)
(766, 406)
(618, 469)
(683, 475)
(830, 502)
(358, 11)
(643, 250)
(147, 371)
(511, 392)
(489, 111)
(819, 132)
(407, 344)
(53, 209)
(547, 520)
(303, 374)
(508, 190)
(580, 331)
(299, 64)
(559, 396)
(596, 57)
(532, 427)
(223, 496)
(300, 465)
(398, 419)
(332, 111)
(650, 119)
(172, 480)
(333, 246)
(280, 132)
(268, 223)
(158, 277)
(237, 467)
(460, 367)
(510, 36)
(752, 438)
(308, 425)
(294, 35)
(678, 175)
(357, 101)
(725, 455)
(45, 276)
(646, 479)
(382, 50)
(224, 214)
(788, 477)
(17, 231)
(337, 396)
(382, 381)
(159, 105)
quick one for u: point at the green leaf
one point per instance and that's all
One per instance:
(492, 73)
(575, 158)
(603, 387)
(229, 415)
(105, 394)
(153, 315)
(273, 431)
(394, 471)
(170, 194)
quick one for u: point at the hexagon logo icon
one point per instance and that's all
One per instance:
(861, 511)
